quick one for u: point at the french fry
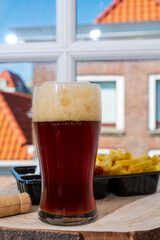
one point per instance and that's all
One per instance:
(101, 157)
(107, 164)
(158, 167)
(150, 169)
(126, 155)
(144, 157)
(115, 154)
(127, 162)
(112, 151)
(123, 171)
(131, 169)
(120, 162)
(116, 170)
(142, 165)
(155, 159)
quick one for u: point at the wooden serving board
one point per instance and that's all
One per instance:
(119, 218)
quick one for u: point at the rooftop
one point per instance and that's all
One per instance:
(130, 11)
(12, 82)
(16, 125)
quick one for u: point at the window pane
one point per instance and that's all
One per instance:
(110, 19)
(16, 82)
(27, 21)
(108, 92)
(158, 103)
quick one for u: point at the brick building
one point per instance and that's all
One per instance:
(136, 135)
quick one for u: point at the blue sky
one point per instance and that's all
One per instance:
(31, 13)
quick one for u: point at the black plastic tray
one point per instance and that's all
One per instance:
(28, 182)
(121, 185)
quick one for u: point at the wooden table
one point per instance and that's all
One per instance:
(119, 218)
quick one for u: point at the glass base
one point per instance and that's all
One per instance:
(67, 220)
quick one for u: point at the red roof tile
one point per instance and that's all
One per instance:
(15, 126)
(19, 104)
(130, 11)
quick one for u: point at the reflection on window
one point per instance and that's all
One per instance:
(112, 19)
(27, 21)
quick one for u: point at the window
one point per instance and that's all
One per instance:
(154, 102)
(103, 151)
(55, 40)
(158, 103)
(112, 90)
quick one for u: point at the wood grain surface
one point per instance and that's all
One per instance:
(119, 218)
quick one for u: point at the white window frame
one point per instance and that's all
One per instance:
(153, 152)
(66, 51)
(119, 81)
(103, 151)
(152, 101)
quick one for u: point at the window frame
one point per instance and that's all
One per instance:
(66, 50)
(152, 102)
(119, 82)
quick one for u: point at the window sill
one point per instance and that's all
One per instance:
(155, 132)
(111, 131)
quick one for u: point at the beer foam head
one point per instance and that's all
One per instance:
(67, 102)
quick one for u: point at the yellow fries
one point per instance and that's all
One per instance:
(120, 162)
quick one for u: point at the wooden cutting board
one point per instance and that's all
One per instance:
(119, 218)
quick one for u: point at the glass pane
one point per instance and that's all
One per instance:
(16, 83)
(158, 103)
(111, 19)
(27, 21)
(108, 91)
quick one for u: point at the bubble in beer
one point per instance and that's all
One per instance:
(65, 101)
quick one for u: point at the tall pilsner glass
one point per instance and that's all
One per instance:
(67, 120)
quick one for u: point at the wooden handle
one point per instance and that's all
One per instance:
(14, 204)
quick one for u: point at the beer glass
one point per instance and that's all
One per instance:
(67, 120)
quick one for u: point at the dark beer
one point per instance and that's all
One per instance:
(67, 152)
(67, 119)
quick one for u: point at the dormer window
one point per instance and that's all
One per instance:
(3, 83)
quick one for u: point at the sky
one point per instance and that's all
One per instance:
(31, 13)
